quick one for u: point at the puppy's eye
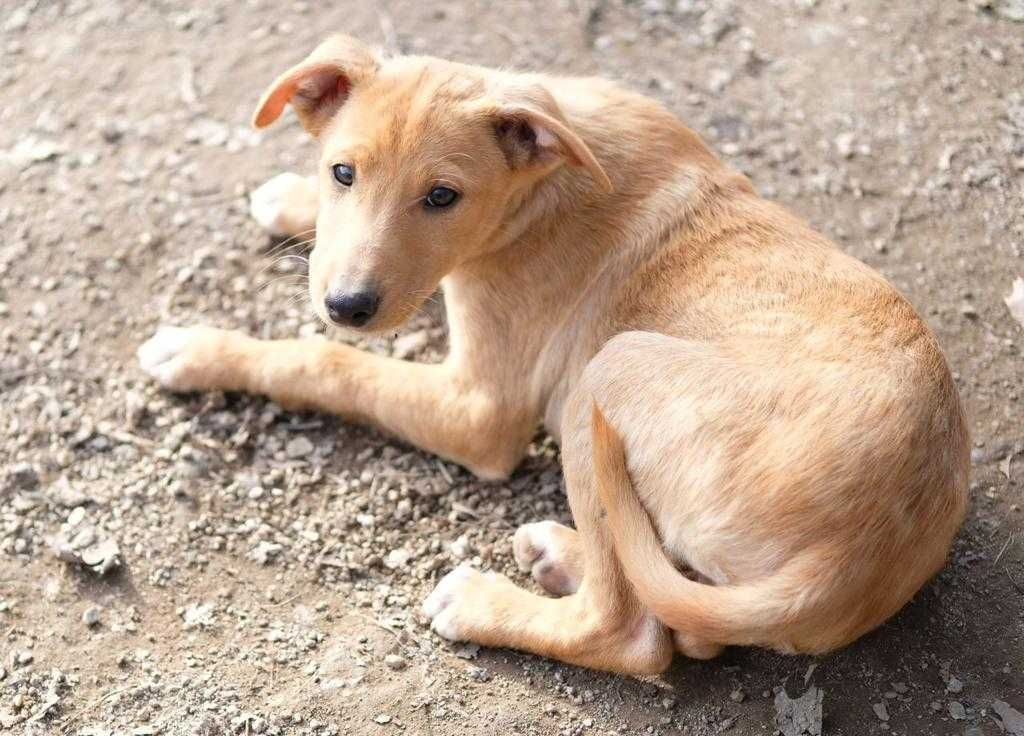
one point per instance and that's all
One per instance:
(343, 174)
(441, 197)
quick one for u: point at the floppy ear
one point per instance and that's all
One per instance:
(531, 136)
(319, 86)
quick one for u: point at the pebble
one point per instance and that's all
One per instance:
(844, 145)
(208, 132)
(881, 711)
(198, 616)
(397, 558)
(1009, 9)
(76, 517)
(298, 447)
(91, 616)
(30, 150)
(460, 547)
(265, 552)
(395, 662)
(364, 515)
(1012, 720)
(22, 476)
(957, 710)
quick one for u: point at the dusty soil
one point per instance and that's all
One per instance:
(272, 564)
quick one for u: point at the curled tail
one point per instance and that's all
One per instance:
(765, 612)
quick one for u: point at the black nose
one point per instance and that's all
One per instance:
(351, 310)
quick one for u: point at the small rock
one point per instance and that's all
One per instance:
(397, 558)
(23, 477)
(1008, 9)
(799, 716)
(980, 173)
(265, 552)
(395, 662)
(956, 710)
(198, 616)
(382, 719)
(460, 547)
(480, 674)
(298, 447)
(18, 19)
(737, 695)
(954, 685)
(30, 150)
(1012, 719)
(208, 132)
(1015, 301)
(91, 616)
(64, 494)
(101, 557)
(844, 145)
(968, 310)
(881, 711)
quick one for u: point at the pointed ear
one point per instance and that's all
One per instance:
(531, 136)
(319, 86)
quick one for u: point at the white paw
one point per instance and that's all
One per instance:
(170, 356)
(543, 550)
(442, 605)
(268, 203)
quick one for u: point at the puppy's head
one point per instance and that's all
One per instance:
(423, 163)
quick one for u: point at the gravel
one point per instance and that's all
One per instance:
(237, 568)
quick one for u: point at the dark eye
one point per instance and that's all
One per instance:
(441, 197)
(343, 174)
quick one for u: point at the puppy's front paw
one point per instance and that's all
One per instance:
(551, 553)
(278, 204)
(443, 605)
(186, 358)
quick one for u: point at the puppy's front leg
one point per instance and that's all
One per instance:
(427, 405)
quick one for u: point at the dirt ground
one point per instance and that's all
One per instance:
(271, 565)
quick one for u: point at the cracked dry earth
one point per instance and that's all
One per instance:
(264, 569)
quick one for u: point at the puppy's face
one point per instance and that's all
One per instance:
(422, 163)
(412, 183)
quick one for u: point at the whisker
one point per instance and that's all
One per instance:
(285, 243)
(283, 259)
(262, 288)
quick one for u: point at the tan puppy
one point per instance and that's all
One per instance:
(790, 433)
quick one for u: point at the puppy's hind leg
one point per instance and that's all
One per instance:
(286, 204)
(601, 625)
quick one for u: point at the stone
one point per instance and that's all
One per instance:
(91, 616)
(395, 662)
(298, 447)
(799, 716)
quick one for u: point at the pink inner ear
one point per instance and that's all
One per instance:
(545, 138)
(318, 87)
